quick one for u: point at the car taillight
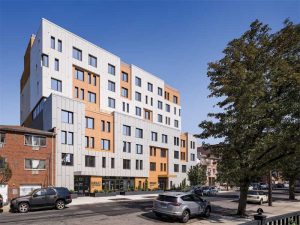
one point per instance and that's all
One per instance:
(175, 203)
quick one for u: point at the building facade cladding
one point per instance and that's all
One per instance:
(42, 105)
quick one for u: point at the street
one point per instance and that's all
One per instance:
(139, 212)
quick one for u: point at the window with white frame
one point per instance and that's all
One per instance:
(35, 164)
(139, 149)
(67, 159)
(66, 117)
(33, 140)
(105, 144)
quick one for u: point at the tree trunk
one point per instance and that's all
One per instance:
(243, 198)
(292, 188)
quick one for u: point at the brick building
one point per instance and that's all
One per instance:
(30, 155)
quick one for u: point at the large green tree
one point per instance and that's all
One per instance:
(197, 175)
(257, 83)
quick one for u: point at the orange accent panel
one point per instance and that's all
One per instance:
(95, 184)
(153, 175)
(184, 149)
(128, 85)
(172, 92)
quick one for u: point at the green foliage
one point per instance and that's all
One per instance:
(146, 185)
(257, 83)
(5, 171)
(197, 175)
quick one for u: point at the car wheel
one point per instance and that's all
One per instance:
(157, 215)
(261, 202)
(60, 204)
(207, 212)
(185, 216)
(23, 207)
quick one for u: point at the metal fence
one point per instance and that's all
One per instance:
(285, 219)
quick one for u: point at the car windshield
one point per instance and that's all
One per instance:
(31, 193)
(255, 193)
(166, 198)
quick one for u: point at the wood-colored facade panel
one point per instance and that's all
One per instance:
(172, 95)
(126, 84)
(159, 156)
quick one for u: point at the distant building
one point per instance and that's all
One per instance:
(30, 155)
(210, 161)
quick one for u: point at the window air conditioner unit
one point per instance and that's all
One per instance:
(1, 145)
(36, 148)
(35, 172)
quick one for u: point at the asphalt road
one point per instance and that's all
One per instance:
(119, 212)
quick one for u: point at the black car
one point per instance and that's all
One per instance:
(1, 201)
(52, 197)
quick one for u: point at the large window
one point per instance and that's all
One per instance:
(124, 76)
(164, 138)
(138, 82)
(112, 163)
(148, 114)
(111, 103)
(2, 138)
(35, 164)
(193, 158)
(126, 130)
(67, 159)
(138, 133)
(66, 137)
(92, 61)
(150, 87)
(159, 118)
(103, 162)
(52, 42)
(56, 65)
(89, 122)
(152, 166)
(92, 97)
(111, 69)
(138, 111)
(126, 164)
(139, 149)
(45, 60)
(163, 153)
(59, 45)
(124, 92)
(159, 105)
(183, 168)
(159, 91)
(176, 154)
(138, 96)
(66, 117)
(176, 168)
(139, 164)
(90, 161)
(154, 136)
(33, 140)
(175, 99)
(126, 146)
(79, 75)
(56, 85)
(167, 107)
(77, 54)
(111, 86)
(105, 144)
(176, 123)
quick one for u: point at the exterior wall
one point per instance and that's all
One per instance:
(158, 159)
(128, 85)
(15, 151)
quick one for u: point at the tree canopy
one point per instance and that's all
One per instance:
(197, 175)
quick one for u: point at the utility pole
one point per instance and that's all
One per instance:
(270, 188)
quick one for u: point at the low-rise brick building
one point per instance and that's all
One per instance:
(30, 154)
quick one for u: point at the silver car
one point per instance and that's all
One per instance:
(180, 205)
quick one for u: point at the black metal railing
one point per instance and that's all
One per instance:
(285, 219)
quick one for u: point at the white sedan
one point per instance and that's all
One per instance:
(257, 197)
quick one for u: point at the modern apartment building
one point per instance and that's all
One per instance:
(117, 125)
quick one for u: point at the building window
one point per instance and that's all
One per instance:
(150, 87)
(138, 82)
(176, 154)
(124, 76)
(164, 138)
(159, 118)
(2, 138)
(94, 80)
(45, 60)
(139, 149)
(77, 54)
(67, 159)
(176, 123)
(79, 75)
(108, 127)
(182, 143)
(56, 65)
(159, 104)
(167, 107)
(139, 164)
(126, 164)
(126, 146)
(146, 99)
(176, 168)
(179, 112)
(111, 86)
(52, 42)
(92, 142)
(124, 92)
(163, 153)
(193, 157)
(148, 115)
(105, 144)
(175, 99)
(92, 61)
(67, 137)
(59, 45)
(89, 78)
(182, 155)
(138, 133)
(152, 166)
(111, 69)
(159, 91)
(152, 151)
(167, 95)
(103, 162)
(90, 161)
(163, 167)
(111, 103)
(112, 163)
(125, 107)
(138, 111)
(35, 164)
(92, 97)
(154, 136)
(32, 140)
(66, 117)
(138, 96)
(126, 130)
(102, 125)
(81, 94)
(86, 142)
(183, 168)
(89, 122)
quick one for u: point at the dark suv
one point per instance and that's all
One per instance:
(1, 201)
(52, 197)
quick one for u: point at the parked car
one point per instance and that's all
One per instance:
(210, 191)
(198, 190)
(264, 186)
(257, 197)
(181, 205)
(256, 186)
(250, 188)
(52, 197)
(1, 201)
(279, 185)
(285, 185)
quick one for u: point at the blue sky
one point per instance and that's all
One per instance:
(171, 39)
